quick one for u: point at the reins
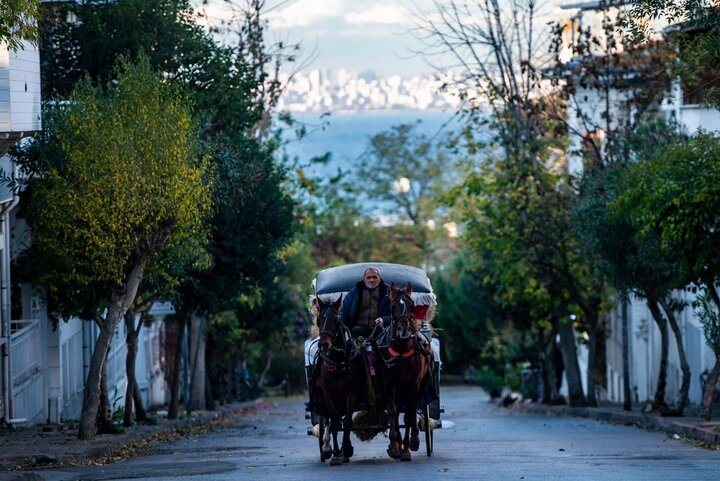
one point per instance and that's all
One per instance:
(341, 331)
(408, 336)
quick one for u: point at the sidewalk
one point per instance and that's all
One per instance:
(36, 447)
(688, 426)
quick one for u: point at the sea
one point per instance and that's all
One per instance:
(346, 135)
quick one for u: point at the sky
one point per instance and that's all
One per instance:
(356, 35)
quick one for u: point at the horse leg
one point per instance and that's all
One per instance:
(412, 425)
(326, 437)
(347, 447)
(337, 457)
(394, 431)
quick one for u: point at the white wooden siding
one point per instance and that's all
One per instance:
(20, 89)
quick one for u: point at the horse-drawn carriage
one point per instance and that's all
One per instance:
(406, 374)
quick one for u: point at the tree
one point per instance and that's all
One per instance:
(468, 315)
(670, 196)
(607, 105)
(164, 30)
(234, 89)
(633, 263)
(711, 328)
(128, 184)
(517, 205)
(409, 171)
(18, 22)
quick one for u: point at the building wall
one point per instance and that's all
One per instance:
(20, 89)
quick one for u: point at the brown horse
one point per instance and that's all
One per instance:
(407, 367)
(338, 383)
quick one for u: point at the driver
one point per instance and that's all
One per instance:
(367, 305)
(366, 308)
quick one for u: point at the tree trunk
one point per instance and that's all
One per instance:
(652, 303)
(627, 396)
(549, 391)
(131, 340)
(709, 394)
(209, 400)
(197, 363)
(104, 420)
(268, 364)
(592, 320)
(174, 408)
(140, 411)
(684, 366)
(121, 299)
(572, 369)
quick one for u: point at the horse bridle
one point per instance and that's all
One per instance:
(340, 331)
(404, 301)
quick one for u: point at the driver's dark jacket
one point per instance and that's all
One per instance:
(352, 299)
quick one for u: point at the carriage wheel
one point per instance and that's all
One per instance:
(428, 432)
(321, 435)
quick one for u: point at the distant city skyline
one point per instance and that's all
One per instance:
(326, 90)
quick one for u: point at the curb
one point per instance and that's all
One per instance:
(683, 427)
(32, 449)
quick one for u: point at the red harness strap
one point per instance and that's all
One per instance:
(394, 353)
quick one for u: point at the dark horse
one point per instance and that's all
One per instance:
(407, 369)
(338, 383)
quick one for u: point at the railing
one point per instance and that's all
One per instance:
(24, 348)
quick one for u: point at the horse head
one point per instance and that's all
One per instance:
(329, 323)
(401, 310)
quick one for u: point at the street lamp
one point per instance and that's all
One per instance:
(402, 185)
(451, 228)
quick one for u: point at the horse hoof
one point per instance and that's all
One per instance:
(345, 459)
(336, 461)
(348, 452)
(414, 444)
(405, 456)
(393, 453)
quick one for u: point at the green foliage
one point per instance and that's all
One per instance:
(18, 22)
(128, 181)
(696, 35)
(164, 30)
(467, 315)
(674, 195)
(409, 171)
(631, 262)
(710, 320)
(490, 381)
(513, 380)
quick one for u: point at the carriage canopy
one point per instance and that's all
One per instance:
(333, 282)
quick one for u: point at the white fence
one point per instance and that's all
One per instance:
(26, 361)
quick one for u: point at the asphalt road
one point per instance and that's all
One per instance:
(478, 441)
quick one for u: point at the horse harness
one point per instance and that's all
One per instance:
(392, 356)
(333, 365)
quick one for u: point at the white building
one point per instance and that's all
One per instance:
(19, 339)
